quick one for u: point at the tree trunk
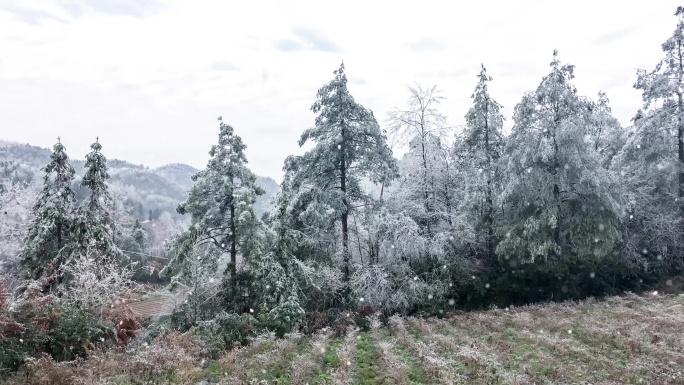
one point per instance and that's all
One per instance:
(680, 124)
(489, 216)
(233, 249)
(425, 189)
(680, 145)
(556, 185)
(345, 214)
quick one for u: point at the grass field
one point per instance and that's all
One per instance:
(619, 340)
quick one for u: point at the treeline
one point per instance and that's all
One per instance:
(568, 205)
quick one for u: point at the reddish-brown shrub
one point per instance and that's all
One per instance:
(126, 323)
(315, 321)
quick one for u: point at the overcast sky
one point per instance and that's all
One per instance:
(150, 77)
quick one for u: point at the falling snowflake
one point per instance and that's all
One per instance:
(592, 275)
(251, 310)
(429, 296)
(570, 331)
(487, 286)
(601, 227)
(361, 299)
(451, 302)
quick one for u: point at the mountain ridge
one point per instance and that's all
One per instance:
(157, 190)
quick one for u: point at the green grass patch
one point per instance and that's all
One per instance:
(331, 360)
(365, 362)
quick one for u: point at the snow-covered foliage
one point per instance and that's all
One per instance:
(16, 201)
(348, 146)
(568, 205)
(478, 153)
(52, 218)
(558, 196)
(95, 218)
(96, 280)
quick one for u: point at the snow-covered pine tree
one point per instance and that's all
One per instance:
(480, 152)
(221, 206)
(663, 90)
(423, 127)
(349, 145)
(560, 202)
(604, 132)
(48, 239)
(650, 165)
(94, 225)
(280, 294)
(139, 236)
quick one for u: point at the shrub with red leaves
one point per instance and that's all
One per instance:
(8, 326)
(126, 323)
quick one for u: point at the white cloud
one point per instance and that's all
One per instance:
(151, 80)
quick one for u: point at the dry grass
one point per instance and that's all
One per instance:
(620, 340)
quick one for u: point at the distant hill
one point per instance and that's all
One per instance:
(158, 190)
(178, 173)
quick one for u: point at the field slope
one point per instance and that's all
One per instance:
(619, 340)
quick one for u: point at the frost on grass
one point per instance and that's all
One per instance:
(342, 374)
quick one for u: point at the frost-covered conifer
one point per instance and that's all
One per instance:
(651, 166)
(94, 225)
(348, 146)
(559, 201)
(221, 205)
(53, 213)
(139, 235)
(663, 90)
(480, 149)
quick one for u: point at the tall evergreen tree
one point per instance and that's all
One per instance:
(482, 145)
(139, 235)
(651, 166)
(560, 202)
(221, 205)
(349, 146)
(94, 225)
(48, 235)
(663, 90)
